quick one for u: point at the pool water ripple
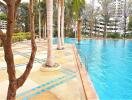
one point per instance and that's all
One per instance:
(109, 64)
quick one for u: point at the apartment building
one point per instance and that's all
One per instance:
(3, 25)
(120, 11)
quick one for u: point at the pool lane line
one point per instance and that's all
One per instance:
(54, 80)
(49, 88)
(40, 86)
(48, 83)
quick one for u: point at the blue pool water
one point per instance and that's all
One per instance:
(109, 64)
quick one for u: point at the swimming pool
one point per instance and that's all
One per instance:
(109, 64)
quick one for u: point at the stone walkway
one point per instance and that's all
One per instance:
(63, 84)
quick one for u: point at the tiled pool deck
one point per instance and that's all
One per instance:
(68, 83)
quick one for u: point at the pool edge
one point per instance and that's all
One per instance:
(89, 90)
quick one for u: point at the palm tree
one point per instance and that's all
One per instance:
(68, 16)
(58, 22)
(49, 6)
(77, 8)
(62, 23)
(91, 19)
(39, 11)
(106, 13)
(44, 17)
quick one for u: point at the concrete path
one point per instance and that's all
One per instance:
(63, 84)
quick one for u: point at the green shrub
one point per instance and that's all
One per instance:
(113, 35)
(85, 35)
(3, 16)
(129, 36)
(21, 36)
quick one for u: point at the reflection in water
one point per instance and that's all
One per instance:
(115, 43)
(124, 43)
(104, 42)
(109, 64)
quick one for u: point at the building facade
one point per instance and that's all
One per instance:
(3, 25)
(119, 18)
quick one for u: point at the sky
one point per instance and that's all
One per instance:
(88, 1)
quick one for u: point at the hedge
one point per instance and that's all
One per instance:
(113, 35)
(19, 37)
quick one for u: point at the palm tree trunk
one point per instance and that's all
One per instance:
(49, 5)
(91, 31)
(42, 23)
(45, 30)
(39, 24)
(105, 31)
(59, 15)
(62, 23)
(79, 30)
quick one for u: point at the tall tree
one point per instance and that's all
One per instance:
(15, 83)
(78, 5)
(91, 20)
(127, 13)
(90, 15)
(59, 47)
(62, 23)
(130, 24)
(105, 5)
(68, 16)
(39, 11)
(43, 18)
(49, 6)
(24, 17)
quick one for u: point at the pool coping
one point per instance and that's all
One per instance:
(89, 90)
